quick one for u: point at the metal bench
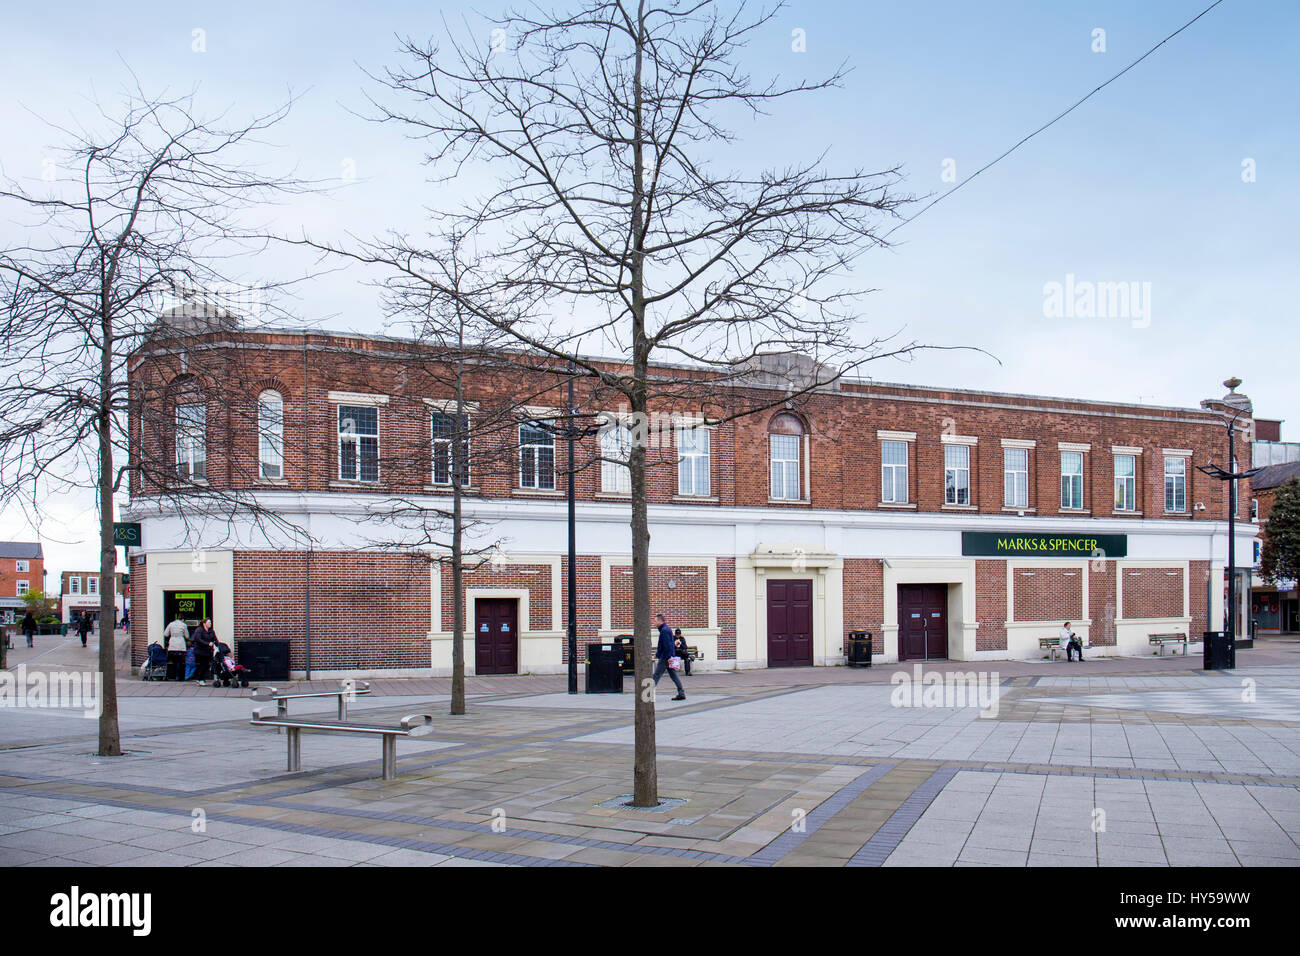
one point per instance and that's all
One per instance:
(412, 725)
(1160, 640)
(344, 694)
(1052, 645)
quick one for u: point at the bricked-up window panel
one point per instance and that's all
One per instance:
(956, 475)
(270, 435)
(1125, 483)
(1015, 477)
(446, 427)
(537, 456)
(358, 443)
(1175, 484)
(1153, 592)
(991, 603)
(693, 462)
(685, 604)
(1072, 479)
(192, 441)
(864, 602)
(1101, 603)
(1048, 594)
(893, 472)
(615, 450)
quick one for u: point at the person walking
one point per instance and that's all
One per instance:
(205, 643)
(665, 652)
(29, 628)
(176, 637)
(83, 626)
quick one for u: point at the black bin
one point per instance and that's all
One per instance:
(604, 670)
(857, 650)
(268, 660)
(1218, 653)
(623, 647)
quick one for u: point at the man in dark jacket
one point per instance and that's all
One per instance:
(83, 626)
(29, 627)
(667, 648)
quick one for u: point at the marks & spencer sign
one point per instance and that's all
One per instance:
(1017, 544)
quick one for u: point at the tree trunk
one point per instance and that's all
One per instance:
(645, 773)
(457, 561)
(110, 743)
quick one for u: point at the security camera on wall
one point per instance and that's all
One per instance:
(1200, 506)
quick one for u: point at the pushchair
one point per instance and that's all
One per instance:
(225, 671)
(155, 665)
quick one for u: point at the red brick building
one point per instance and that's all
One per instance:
(22, 569)
(949, 523)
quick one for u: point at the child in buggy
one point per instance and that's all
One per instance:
(224, 669)
(155, 665)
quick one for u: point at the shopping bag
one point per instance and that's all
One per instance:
(675, 663)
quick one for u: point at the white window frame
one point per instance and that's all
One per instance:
(1125, 487)
(785, 471)
(22, 567)
(192, 441)
(893, 469)
(23, 587)
(74, 585)
(270, 435)
(442, 446)
(351, 436)
(92, 585)
(1254, 509)
(689, 457)
(952, 467)
(1067, 505)
(534, 450)
(1018, 489)
(1178, 477)
(615, 442)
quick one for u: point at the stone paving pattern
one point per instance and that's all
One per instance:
(1131, 762)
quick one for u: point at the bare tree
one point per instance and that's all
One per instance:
(140, 219)
(602, 126)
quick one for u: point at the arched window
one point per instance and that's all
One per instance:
(270, 435)
(615, 451)
(786, 444)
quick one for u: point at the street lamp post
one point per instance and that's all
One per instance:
(572, 432)
(1231, 476)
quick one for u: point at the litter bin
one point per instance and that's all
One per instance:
(604, 670)
(1218, 653)
(267, 660)
(623, 647)
(857, 650)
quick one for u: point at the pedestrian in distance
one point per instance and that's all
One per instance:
(666, 657)
(205, 645)
(29, 628)
(176, 637)
(83, 626)
(680, 643)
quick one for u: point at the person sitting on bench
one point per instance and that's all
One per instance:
(1071, 642)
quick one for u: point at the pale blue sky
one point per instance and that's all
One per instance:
(1143, 183)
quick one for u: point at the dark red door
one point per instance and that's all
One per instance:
(496, 636)
(922, 622)
(789, 624)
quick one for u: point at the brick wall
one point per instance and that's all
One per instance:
(1048, 594)
(533, 578)
(1153, 592)
(842, 427)
(685, 605)
(1101, 603)
(368, 610)
(864, 606)
(991, 605)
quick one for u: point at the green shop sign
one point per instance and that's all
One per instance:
(1013, 543)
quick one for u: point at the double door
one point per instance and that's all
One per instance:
(496, 636)
(922, 622)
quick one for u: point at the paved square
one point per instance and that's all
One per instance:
(1118, 763)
